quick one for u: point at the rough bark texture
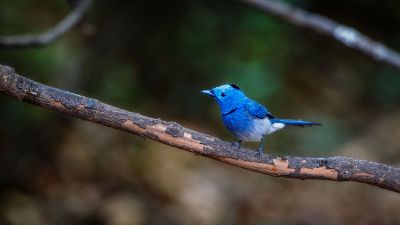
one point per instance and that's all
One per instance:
(323, 25)
(29, 40)
(171, 133)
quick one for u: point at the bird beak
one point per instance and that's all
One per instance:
(208, 92)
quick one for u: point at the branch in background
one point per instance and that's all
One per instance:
(171, 133)
(29, 40)
(323, 25)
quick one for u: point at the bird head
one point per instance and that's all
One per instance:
(228, 97)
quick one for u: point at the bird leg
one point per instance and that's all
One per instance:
(261, 147)
(237, 143)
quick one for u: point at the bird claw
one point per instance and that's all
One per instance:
(236, 144)
(259, 151)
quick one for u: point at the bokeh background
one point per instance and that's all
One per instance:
(154, 57)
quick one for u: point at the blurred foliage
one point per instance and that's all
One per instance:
(153, 57)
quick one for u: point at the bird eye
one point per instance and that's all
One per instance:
(223, 94)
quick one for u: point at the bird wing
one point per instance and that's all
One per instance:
(257, 110)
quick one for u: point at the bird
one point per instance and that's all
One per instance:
(246, 119)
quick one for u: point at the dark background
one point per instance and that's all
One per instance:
(154, 57)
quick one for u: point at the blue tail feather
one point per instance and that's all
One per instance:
(299, 123)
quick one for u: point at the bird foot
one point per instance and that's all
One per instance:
(236, 144)
(259, 152)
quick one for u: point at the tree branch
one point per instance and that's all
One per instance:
(323, 25)
(171, 133)
(29, 40)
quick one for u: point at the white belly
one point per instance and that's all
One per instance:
(260, 128)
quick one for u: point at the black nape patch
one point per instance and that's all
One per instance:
(235, 86)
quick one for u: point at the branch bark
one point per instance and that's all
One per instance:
(323, 25)
(30, 40)
(173, 134)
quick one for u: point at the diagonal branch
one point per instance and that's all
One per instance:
(47, 37)
(323, 25)
(171, 133)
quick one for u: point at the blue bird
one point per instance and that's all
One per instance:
(247, 119)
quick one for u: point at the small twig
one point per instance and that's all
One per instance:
(30, 40)
(171, 133)
(323, 25)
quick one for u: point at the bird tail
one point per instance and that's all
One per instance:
(299, 123)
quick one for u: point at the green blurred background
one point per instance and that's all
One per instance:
(154, 57)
